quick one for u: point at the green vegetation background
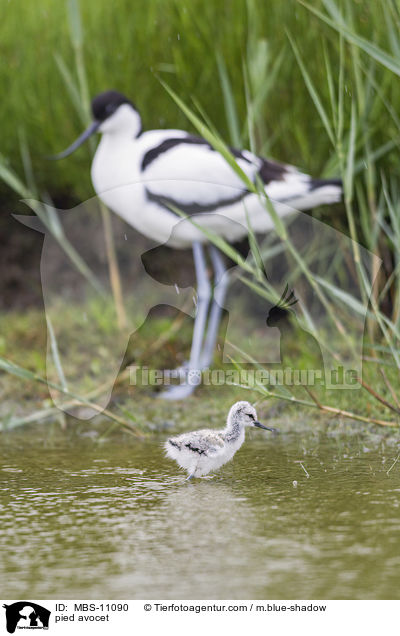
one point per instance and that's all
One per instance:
(128, 44)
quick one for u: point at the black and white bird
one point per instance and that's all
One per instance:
(146, 176)
(204, 451)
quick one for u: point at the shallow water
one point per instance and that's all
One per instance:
(117, 520)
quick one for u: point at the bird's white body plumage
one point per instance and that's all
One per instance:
(135, 184)
(217, 451)
(204, 451)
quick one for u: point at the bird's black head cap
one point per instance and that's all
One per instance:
(105, 104)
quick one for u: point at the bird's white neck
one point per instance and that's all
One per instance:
(125, 122)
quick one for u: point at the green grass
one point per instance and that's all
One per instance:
(127, 46)
(25, 343)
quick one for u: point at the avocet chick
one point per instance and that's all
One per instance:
(201, 452)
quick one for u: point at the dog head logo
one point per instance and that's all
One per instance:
(26, 615)
(73, 269)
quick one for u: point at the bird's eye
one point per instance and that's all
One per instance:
(251, 416)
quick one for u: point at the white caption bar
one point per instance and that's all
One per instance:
(74, 617)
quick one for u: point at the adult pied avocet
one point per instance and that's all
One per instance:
(143, 176)
(201, 452)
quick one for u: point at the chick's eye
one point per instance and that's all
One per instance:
(251, 416)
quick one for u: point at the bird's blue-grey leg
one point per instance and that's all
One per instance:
(192, 470)
(221, 283)
(203, 300)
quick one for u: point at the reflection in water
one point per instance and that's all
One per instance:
(204, 530)
(118, 521)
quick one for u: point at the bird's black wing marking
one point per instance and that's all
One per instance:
(170, 143)
(195, 449)
(320, 183)
(166, 145)
(178, 446)
(271, 171)
(193, 208)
